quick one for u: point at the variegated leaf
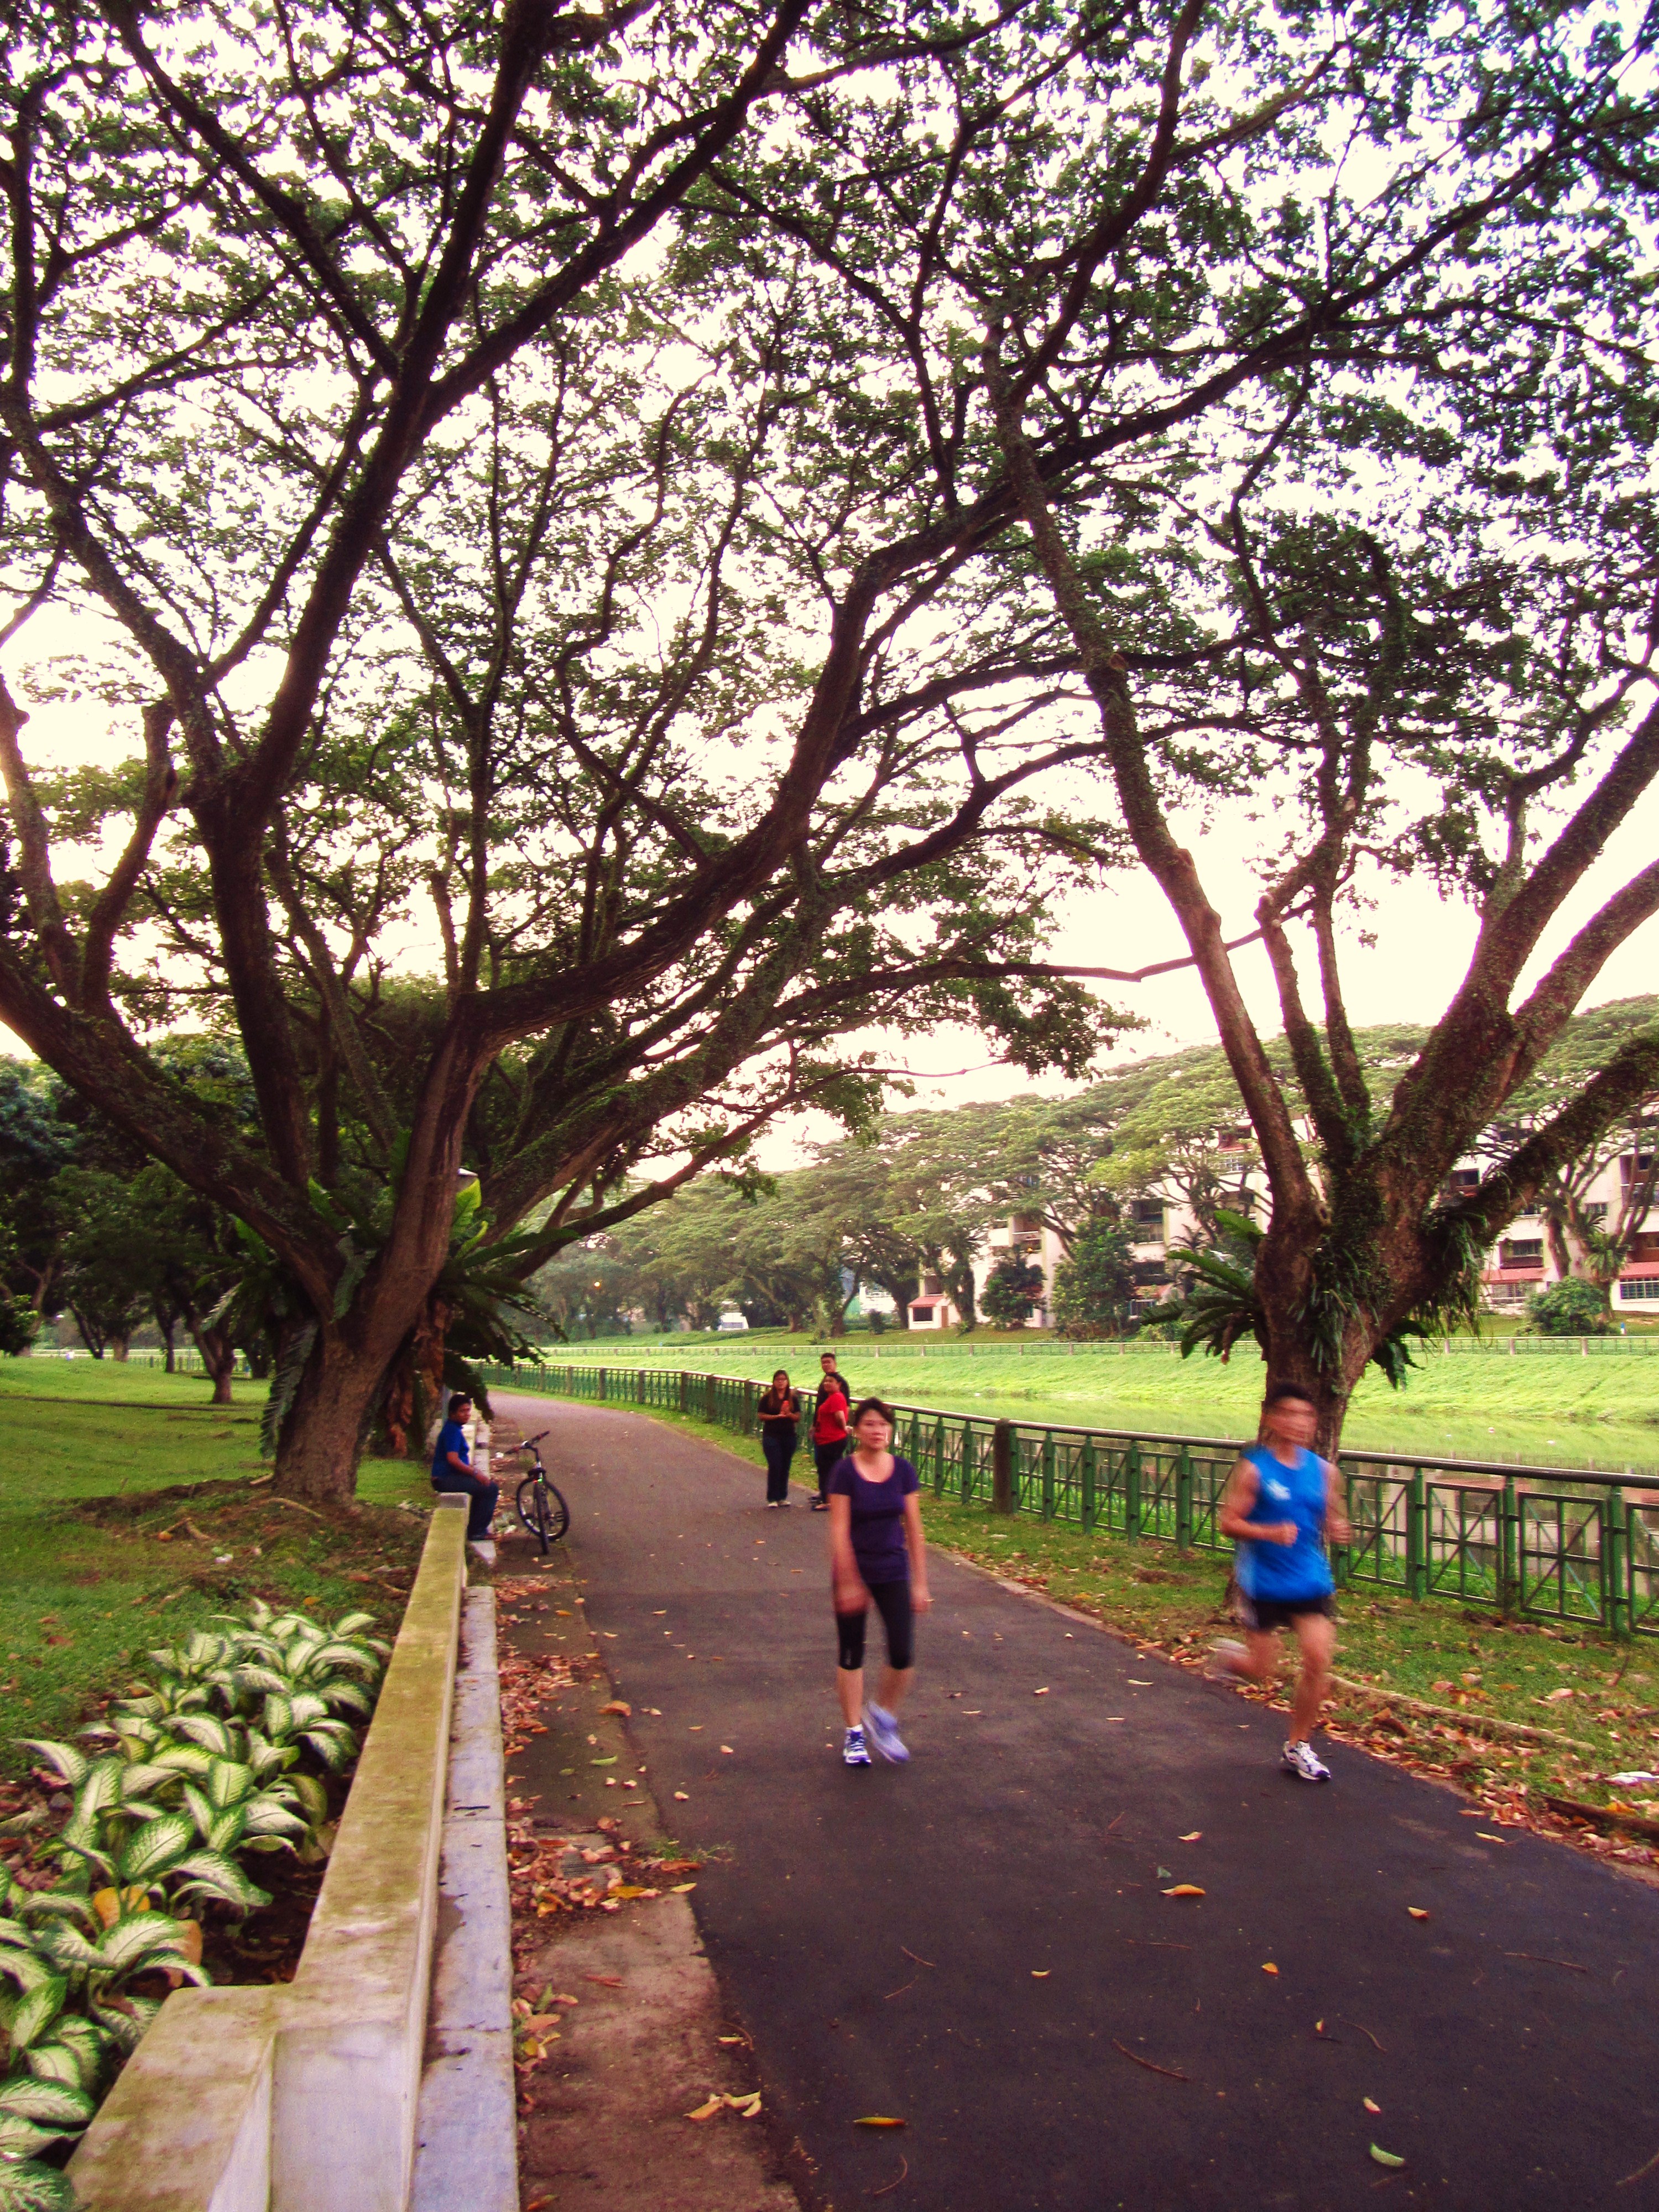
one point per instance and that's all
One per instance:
(153, 1849)
(48, 2104)
(35, 2011)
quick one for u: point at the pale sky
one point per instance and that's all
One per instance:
(1424, 942)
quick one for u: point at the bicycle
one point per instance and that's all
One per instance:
(540, 1503)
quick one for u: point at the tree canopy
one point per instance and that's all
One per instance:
(638, 543)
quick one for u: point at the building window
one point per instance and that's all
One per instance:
(1638, 1286)
(1522, 1251)
(1463, 1180)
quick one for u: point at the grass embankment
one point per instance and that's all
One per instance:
(129, 1515)
(1602, 1693)
(1560, 1408)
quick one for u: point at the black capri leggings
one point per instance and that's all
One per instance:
(893, 1604)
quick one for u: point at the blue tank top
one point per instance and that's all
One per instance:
(1296, 1493)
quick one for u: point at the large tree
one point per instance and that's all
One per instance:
(459, 516)
(466, 430)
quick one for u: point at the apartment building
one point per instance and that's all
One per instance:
(1519, 1263)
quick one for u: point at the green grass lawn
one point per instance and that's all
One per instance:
(1446, 1654)
(129, 1516)
(1546, 1407)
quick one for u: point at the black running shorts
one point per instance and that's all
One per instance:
(1267, 1613)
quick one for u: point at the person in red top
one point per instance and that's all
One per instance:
(830, 1429)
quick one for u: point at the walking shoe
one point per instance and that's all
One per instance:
(885, 1728)
(1301, 1758)
(1222, 1664)
(854, 1752)
(820, 1505)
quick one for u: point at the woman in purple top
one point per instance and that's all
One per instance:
(875, 1551)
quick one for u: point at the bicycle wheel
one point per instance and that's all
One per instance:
(532, 1506)
(557, 1512)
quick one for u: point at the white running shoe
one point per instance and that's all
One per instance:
(1301, 1759)
(885, 1728)
(854, 1752)
(1225, 1663)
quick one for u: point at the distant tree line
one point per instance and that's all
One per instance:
(1100, 1170)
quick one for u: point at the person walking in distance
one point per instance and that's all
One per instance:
(876, 1555)
(1281, 1505)
(780, 1418)
(831, 1431)
(452, 1469)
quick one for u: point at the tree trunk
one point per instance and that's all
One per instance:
(323, 1436)
(119, 1347)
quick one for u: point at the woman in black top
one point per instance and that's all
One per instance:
(779, 1413)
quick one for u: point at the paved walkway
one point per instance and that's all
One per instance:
(980, 1943)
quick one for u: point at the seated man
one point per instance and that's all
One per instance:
(451, 1469)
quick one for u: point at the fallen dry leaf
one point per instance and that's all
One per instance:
(682, 1796)
(618, 1706)
(1369, 2105)
(1191, 1837)
(726, 1748)
(1418, 1911)
(1184, 1889)
(1041, 1973)
(1039, 1693)
(715, 2104)
(681, 1887)
(877, 2120)
(1270, 1970)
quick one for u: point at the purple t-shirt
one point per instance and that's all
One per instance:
(879, 1544)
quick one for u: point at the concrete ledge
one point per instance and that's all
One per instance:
(187, 2126)
(351, 2032)
(466, 2123)
(303, 2099)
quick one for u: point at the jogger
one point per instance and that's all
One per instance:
(876, 1553)
(1280, 1503)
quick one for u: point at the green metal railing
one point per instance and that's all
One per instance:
(1536, 1543)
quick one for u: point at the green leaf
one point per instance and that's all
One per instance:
(227, 1829)
(141, 1936)
(153, 1849)
(21, 2138)
(229, 1782)
(55, 2062)
(36, 2009)
(48, 2104)
(28, 2186)
(206, 1730)
(210, 1873)
(70, 1763)
(1385, 2157)
(350, 1623)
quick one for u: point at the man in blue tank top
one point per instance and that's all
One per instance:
(1280, 1506)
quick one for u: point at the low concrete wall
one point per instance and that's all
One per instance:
(303, 2099)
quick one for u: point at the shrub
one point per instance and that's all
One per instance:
(1095, 1287)
(1571, 1308)
(1013, 1291)
(200, 1766)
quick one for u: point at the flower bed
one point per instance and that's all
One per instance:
(223, 1757)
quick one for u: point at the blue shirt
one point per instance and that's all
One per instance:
(451, 1437)
(1296, 1492)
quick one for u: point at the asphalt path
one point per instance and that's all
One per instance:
(982, 1944)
